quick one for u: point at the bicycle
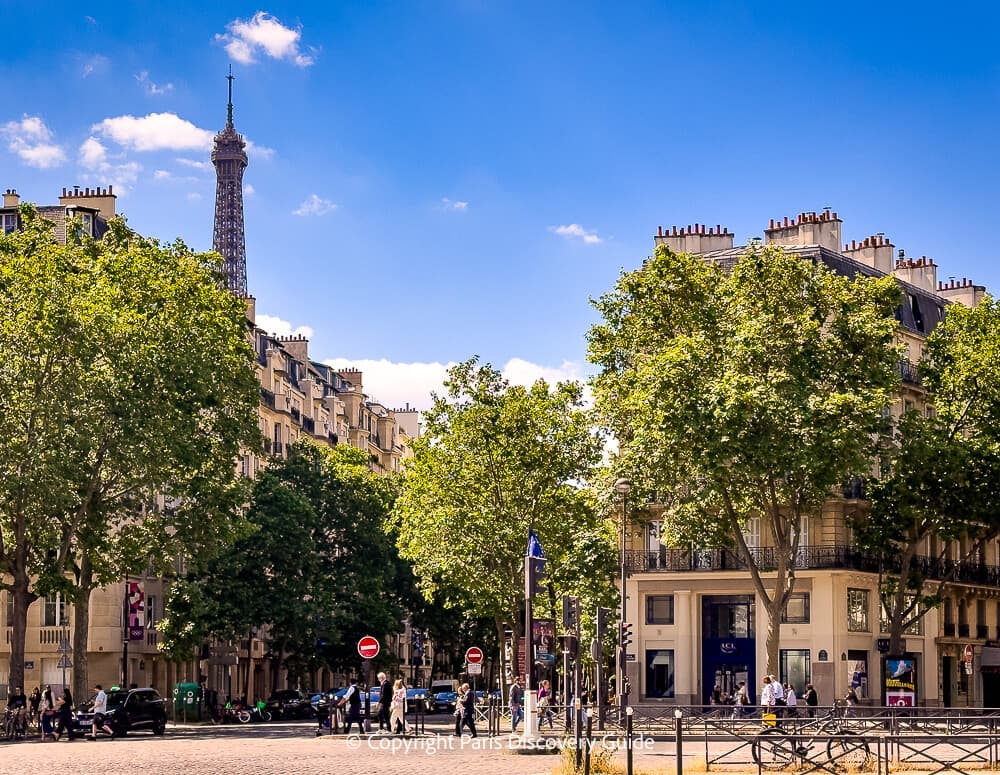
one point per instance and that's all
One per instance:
(15, 723)
(774, 748)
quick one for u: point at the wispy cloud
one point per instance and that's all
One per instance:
(193, 196)
(248, 190)
(32, 142)
(95, 63)
(278, 327)
(315, 205)
(576, 231)
(453, 205)
(152, 88)
(201, 166)
(264, 34)
(90, 20)
(103, 168)
(155, 132)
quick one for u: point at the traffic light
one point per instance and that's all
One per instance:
(626, 635)
(534, 577)
(603, 614)
(571, 613)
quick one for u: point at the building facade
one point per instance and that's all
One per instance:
(698, 620)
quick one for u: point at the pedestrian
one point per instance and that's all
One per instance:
(851, 698)
(767, 695)
(398, 706)
(352, 701)
(48, 714)
(385, 699)
(34, 701)
(812, 700)
(790, 701)
(64, 715)
(779, 696)
(100, 709)
(468, 708)
(742, 705)
(516, 702)
(545, 712)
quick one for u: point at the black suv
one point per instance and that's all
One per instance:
(290, 703)
(128, 711)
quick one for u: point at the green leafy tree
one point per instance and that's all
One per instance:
(741, 393)
(941, 470)
(127, 392)
(317, 570)
(495, 461)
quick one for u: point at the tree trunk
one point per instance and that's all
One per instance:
(773, 642)
(23, 597)
(81, 627)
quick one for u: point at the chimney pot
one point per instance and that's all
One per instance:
(718, 228)
(659, 231)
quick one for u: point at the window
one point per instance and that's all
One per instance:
(55, 613)
(796, 609)
(727, 616)
(151, 616)
(796, 668)
(659, 609)
(915, 628)
(857, 610)
(659, 673)
(9, 621)
(8, 223)
(751, 533)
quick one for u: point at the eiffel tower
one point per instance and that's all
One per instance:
(230, 159)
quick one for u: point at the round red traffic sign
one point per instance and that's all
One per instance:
(368, 647)
(474, 655)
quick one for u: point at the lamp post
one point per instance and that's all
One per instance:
(622, 487)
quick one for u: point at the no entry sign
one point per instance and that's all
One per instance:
(474, 655)
(368, 647)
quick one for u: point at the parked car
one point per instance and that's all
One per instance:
(128, 711)
(290, 703)
(443, 702)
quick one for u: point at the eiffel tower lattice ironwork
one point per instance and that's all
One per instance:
(230, 159)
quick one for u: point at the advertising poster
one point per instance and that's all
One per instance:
(900, 682)
(857, 673)
(136, 611)
(543, 637)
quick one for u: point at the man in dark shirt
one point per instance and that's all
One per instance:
(468, 710)
(353, 702)
(17, 699)
(384, 701)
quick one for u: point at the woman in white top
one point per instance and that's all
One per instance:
(397, 722)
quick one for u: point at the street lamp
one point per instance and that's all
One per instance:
(622, 487)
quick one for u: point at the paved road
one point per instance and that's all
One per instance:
(289, 748)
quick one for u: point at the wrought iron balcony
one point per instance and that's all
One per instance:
(267, 397)
(810, 557)
(908, 372)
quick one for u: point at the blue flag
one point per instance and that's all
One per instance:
(534, 546)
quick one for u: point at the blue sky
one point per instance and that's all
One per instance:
(430, 181)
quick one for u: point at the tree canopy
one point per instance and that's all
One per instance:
(497, 460)
(744, 392)
(939, 469)
(127, 392)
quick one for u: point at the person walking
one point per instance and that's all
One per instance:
(34, 701)
(64, 715)
(516, 702)
(397, 724)
(468, 707)
(48, 714)
(741, 705)
(791, 701)
(352, 700)
(100, 709)
(385, 700)
(545, 712)
(812, 700)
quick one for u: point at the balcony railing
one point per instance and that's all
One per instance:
(267, 397)
(982, 631)
(963, 631)
(309, 424)
(296, 415)
(949, 629)
(810, 557)
(908, 372)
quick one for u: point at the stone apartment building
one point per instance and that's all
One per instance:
(698, 622)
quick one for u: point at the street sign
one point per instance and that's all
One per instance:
(968, 668)
(368, 647)
(630, 657)
(64, 662)
(474, 655)
(969, 651)
(29, 665)
(474, 668)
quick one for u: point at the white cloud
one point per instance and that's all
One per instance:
(315, 205)
(396, 384)
(161, 175)
(259, 151)
(155, 132)
(203, 166)
(92, 153)
(152, 88)
(93, 64)
(248, 190)
(576, 231)
(263, 33)
(31, 140)
(449, 204)
(193, 196)
(278, 327)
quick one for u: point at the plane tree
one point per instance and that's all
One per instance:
(743, 392)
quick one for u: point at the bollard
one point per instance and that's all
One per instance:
(628, 740)
(679, 740)
(578, 713)
(586, 753)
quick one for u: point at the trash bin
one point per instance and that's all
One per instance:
(186, 705)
